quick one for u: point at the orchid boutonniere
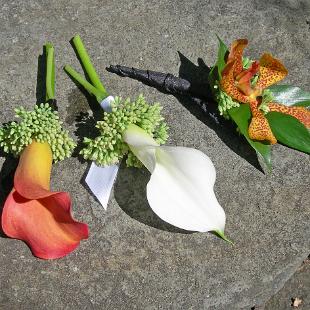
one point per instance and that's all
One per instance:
(265, 113)
(32, 212)
(247, 93)
(180, 190)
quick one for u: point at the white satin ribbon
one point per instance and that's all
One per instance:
(100, 180)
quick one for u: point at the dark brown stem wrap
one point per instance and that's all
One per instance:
(164, 81)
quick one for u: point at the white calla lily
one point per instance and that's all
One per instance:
(180, 190)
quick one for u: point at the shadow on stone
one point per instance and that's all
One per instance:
(84, 111)
(130, 194)
(6, 180)
(84, 184)
(41, 78)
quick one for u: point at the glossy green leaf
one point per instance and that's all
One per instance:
(215, 73)
(289, 131)
(290, 95)
(242, 116)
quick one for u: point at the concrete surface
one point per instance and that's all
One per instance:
(132, 260)
(296, 287)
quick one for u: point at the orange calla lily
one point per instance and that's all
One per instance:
(36, 215)
(236, 82)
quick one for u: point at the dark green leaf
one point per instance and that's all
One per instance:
(242, 116)
(215, 73)
(290, 95)
(289, 131)
(223, 49)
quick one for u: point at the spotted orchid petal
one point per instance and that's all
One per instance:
(37, 216)
(235, 54)
(229, 86)
(236, 82)
(180, 190)
(301, 113)
(243, 79)
(271, 71)
(232, 69)
(259, 128)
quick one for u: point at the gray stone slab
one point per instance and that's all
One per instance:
(132, 260)
(296, 288)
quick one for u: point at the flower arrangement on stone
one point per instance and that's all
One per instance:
(246, 93)
(180, 190)
(32, 212)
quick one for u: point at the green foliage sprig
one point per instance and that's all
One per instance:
(42, 125)
(108, 148)
(267, 97)
(225, 102)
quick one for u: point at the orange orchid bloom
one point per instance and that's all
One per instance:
(236, 82)
(36, 215)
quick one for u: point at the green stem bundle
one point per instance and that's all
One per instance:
(89, 87)
(95, 88)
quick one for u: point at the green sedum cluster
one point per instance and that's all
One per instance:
(108, 148)
(224, 101)
(42, 125)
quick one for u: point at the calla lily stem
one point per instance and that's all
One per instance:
(89, 87)
(87, 64)
(50, 71)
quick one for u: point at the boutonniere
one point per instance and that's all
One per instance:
(180, 190)
(32, 212)
(247, 93)
(263, 112)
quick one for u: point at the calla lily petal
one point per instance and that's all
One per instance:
(180, 190)
(36, 215)
(142, 145)
(46, 225)
(32, 176)
(271, 71)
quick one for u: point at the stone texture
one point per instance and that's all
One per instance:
(295, 287)
(132, 260)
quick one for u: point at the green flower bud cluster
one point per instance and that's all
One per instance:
(42, 125)
(224, 101)
(267, 97)
(108, 148)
